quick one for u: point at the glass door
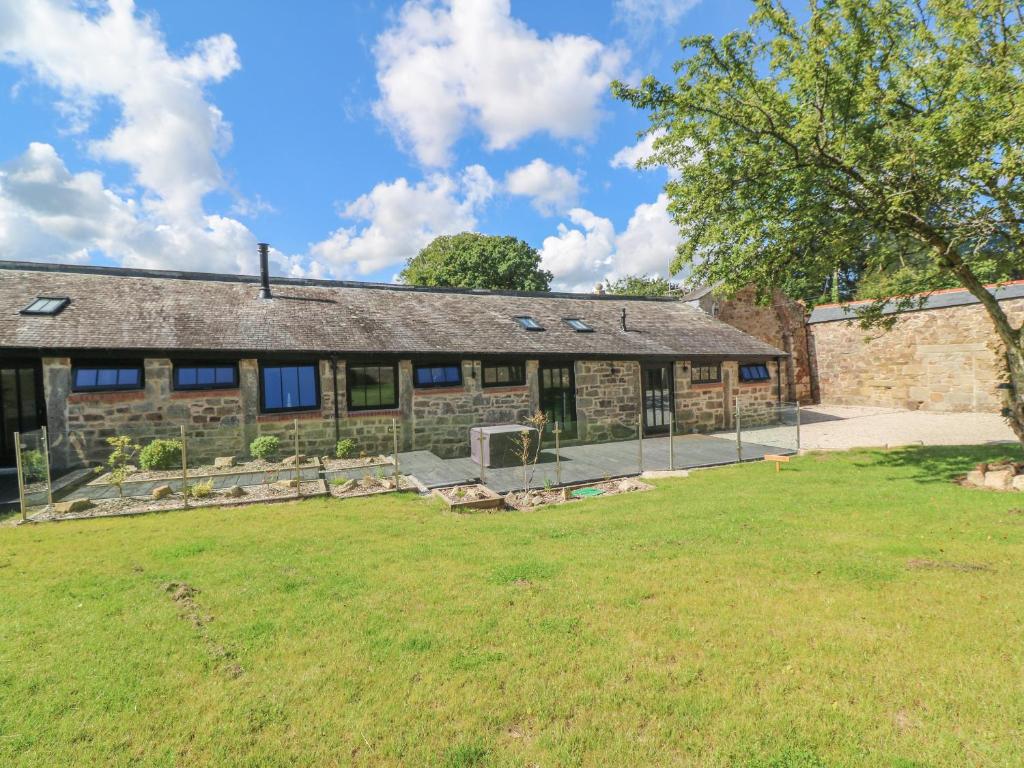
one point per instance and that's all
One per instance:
(21, 406)
(558, 398)
(657, 398)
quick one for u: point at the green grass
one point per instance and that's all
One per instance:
(738, 617)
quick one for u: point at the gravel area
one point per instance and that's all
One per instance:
(840, 427)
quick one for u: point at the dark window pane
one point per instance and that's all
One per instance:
(85, 377)
(128, 377)
(204, 376)
(290, 387)
(106, 377)
(272, 388)
(225, 376)
(187, 377)
(358, 397)
(422, 377)
(453, 374)
(307, 386)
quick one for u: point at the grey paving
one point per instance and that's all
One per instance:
(586, 463)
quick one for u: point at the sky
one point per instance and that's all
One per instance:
(348, 135)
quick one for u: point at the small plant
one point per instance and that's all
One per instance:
(547, 483)
(264, 447)
(527, 446)
(199, 490)
(161, 454)
(119, 461)
(344, 448)
(33, 466)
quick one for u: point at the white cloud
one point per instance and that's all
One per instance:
(629, 156)
(444, 65)
(552, 188)
(644, 16)
(591, 251)
(400, 218)
(49, 214)
(167, 132)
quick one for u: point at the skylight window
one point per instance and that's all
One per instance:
(578, 325)
(46, 305)
(528, 323)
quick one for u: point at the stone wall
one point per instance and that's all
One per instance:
(607, 400)
(781, 324)
(701, 407)
(944, 359)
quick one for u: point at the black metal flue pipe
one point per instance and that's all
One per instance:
(264, 249)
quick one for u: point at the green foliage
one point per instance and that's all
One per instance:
(639, 285)
(119, 462)
(33, 466)
(878, 138)
(264, 447)
(472, 260)
(344, 448)
(161, 454)
(200, 490)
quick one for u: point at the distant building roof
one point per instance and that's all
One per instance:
(950, 297)
(113, 309)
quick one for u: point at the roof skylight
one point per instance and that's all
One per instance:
(578, 325)
(46, 305)
(528, 323)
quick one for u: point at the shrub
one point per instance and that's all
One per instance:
(344, 448)
(200, 490)
(33, 466)
(119, 461)
(264, 447)
(161, 454)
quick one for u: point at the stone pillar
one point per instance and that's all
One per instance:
(406, 421)
(730, 379)
(249, 392)
(56, 388)
(533, 382)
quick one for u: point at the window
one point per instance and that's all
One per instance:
(371, 386)
(528, 323)
(756, 372)
(294, 387)
(504, 374)
(445, 375)
(206, 376)
(46, 305)
(99, 378)
(705, 374)
(578, 325)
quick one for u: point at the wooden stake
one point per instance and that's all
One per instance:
(21, 479)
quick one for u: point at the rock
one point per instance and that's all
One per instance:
(293, 460)
(975, 478)
(999, 479)
(1018, 483)
(161, 492)
(75, 505)
(566, 494)
(234, 491)
(510, 499)
(982, 467)
(625, 486)
(389, 483)
(284, 485)
(347, 486)
(222, 462)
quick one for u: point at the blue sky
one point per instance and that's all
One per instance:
(178, 134)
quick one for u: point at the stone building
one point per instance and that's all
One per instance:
(93, 352)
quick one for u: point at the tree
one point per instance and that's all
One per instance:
(810, 154)
(472, 260)
(639, 285)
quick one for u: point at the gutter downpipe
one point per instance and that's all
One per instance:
(778, 379)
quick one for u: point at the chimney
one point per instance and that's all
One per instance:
(264, 249)
(599, 289)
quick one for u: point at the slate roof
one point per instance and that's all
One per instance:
(951, 297)
(115, 309)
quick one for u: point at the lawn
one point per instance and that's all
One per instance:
(855, 609)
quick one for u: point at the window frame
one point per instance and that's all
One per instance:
(586, 327)
(64, 301)
(443, 385)
(350, 364)
(177, 386)
(265, 366)
(108, 365)
(485, 364)
(757, 380)
(695, 366)
(528, 323)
